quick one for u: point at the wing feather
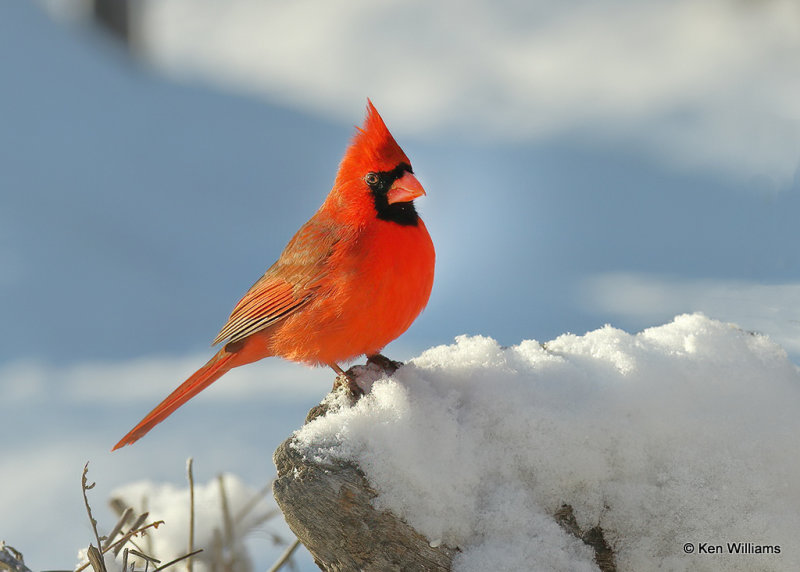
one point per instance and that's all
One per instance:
(269, 300)
(287, 286)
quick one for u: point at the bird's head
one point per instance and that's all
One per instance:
(375, 176)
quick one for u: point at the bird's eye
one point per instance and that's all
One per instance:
(371, 179)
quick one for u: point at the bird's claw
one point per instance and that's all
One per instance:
(348, 381)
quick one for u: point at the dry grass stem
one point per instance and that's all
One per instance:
(286, 556)
(246, 509)
(178, 559)
(85, 486)
(95, 558)
(94, 555)
(144, 556)
(227, 521)
(128, 537)
(137, 527)
(190, 476)
(126, 515)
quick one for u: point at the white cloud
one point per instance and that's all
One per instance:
(698, 83)
(772, 309)
(152, 378)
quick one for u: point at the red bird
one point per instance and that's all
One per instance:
(352, 279)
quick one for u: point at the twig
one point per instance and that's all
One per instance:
(226, 512)
(245, 510)
(85, 486)
(146, 538)
(216, 548)
(144, 556)
(95, 558)
(178, 559)
(190, 475)
(118, 545)
(287, 554)
(98, 565)
(117, 528)
(137, 526)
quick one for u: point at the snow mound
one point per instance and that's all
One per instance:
(675, 440)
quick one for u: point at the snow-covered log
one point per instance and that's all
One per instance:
(671, 448)
(328, 504)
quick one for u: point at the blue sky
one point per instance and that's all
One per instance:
(138, 201)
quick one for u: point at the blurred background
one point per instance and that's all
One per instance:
(586, 163)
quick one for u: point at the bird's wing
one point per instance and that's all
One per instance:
(287, 286)
(269, 300)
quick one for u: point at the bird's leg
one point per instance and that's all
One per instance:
(388, 365)
(344, 378)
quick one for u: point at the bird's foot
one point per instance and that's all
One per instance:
(347, 380)
(388, 365)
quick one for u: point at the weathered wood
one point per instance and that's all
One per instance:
(329, 508)
(603, 554)
(11, 559)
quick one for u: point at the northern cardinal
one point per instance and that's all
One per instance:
(351, 280)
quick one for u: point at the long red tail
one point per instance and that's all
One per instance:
(216, 367)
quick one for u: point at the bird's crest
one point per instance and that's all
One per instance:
(373, 146)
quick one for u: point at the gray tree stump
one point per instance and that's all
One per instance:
(329, 508)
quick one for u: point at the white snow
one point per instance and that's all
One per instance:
(683, 433)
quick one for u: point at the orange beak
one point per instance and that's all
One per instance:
(405, 189)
